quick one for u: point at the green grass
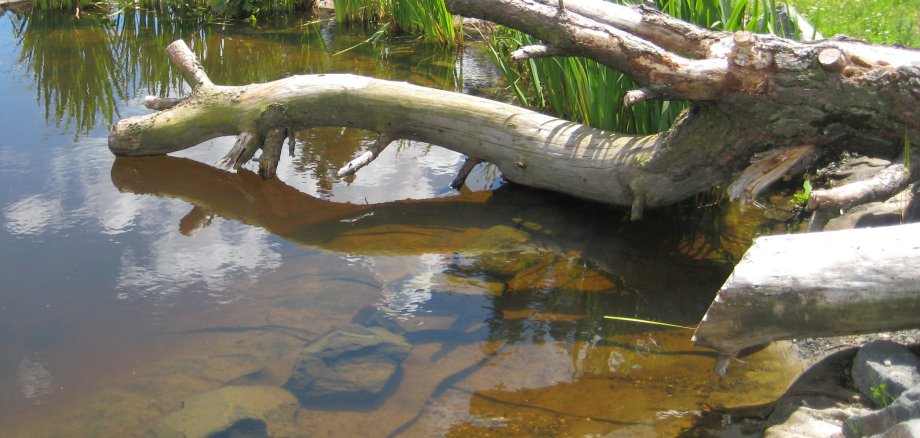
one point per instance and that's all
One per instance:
(876, 21)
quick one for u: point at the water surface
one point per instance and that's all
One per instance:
(131, 284)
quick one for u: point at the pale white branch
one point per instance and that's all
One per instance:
(536, 51)
(364, 159)
(185, 60)
(633, 97)
(885, 183)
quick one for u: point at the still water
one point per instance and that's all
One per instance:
(128, 287)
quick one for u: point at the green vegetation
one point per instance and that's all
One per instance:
(248, 9)
(881, 395)
(63, 5)
(427, 18)
(876, 21)
(801, 197)
(645, 321)
(587, 92)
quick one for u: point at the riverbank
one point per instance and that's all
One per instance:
(826, 401)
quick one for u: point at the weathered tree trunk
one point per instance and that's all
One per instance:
(818, 284)
(751, 93)
(530, 148)
(767, 92)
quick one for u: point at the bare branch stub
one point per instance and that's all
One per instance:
(633, 97)
(242, 151)
(381, 142)
(185, 60)
(271, 152)
(464, 172)
(885, 183)
(161, 103)
(272, 128)
(536, 51)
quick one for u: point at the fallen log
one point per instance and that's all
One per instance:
(530, 148)
(750, 93)
(816, 285)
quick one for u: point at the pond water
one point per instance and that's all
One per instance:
(130, 285)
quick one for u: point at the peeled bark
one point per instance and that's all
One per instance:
(751, 93)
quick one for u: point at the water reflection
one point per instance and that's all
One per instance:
(34, 379)
(131, 284)
(213, 260)
(581, 264)
(33, 215)
(87, 67)
(487, 284)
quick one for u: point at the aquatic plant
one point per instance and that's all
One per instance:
(881, 395)
(801, 197)
(429, 19)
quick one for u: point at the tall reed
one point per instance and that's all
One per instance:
(428, 18)
(587, 92)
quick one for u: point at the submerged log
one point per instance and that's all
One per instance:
(815, 285)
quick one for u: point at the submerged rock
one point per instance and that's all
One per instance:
(823, 402)
(215, 412)
(352, 361)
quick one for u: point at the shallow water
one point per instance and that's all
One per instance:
(130, 285)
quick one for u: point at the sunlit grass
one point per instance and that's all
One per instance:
(876, 21)
(430, 19)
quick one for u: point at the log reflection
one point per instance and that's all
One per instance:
(409, 227)
(574, 237)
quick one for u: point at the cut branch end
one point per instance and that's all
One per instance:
(185, 60)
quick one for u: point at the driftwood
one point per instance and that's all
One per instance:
(530, 148)
(752, 94)
(818, 284)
